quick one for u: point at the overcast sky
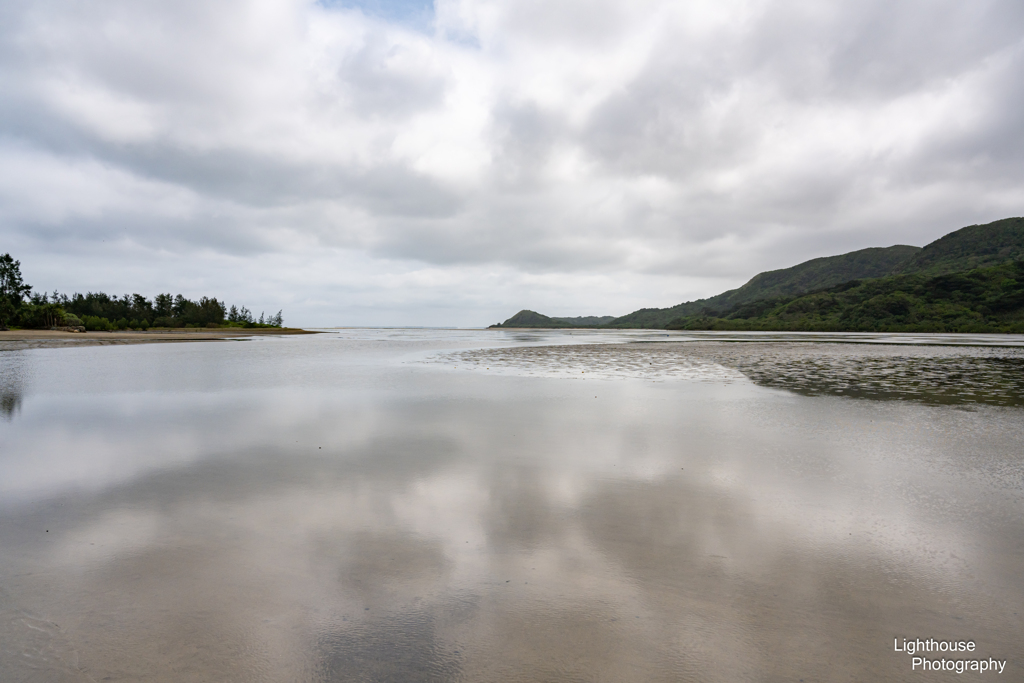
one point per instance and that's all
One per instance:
(395, 162)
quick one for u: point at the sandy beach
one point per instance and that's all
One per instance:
(47, 339)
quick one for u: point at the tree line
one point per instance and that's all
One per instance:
(21, 307)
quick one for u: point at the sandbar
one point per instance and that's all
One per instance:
(11, 340)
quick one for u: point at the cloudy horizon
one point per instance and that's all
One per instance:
(401, 162)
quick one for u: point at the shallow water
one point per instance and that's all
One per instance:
(508, 506)
(931, 374)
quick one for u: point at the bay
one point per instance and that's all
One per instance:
(458, 505)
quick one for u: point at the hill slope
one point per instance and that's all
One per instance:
(975, 246)
(526, 318)
(980, 300)
(808, 276)
(588, 320)
(968, 249)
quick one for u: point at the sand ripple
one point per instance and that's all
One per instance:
(932, 374)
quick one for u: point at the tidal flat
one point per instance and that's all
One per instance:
(452, 505)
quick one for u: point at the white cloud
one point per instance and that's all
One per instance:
(565, 156)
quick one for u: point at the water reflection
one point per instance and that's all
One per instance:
(466, 526)
(399, 646)
(11, 383)
(10, 402)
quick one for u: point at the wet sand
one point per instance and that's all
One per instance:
(351, 508)
(11, 340)
(940, 374)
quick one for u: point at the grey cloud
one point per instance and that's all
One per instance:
(674, 120)
(993, 151)
(260, 181)
(524, 136)
(593, 23)
(154, 233)
(856, 55)
(288, 129)
(877, 50)
(533, 233)
(659, 125)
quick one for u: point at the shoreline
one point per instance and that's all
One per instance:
(14, 340)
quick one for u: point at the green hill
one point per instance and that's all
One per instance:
(527, 318)
(975, 246)
(588, 320)
(950, 287)
(980, 300)
(808, 276)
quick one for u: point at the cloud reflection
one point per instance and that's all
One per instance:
(500, 528)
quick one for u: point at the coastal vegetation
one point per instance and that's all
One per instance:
(12, 290)
(979, 300)
(527, 318)
(809, 276)
(975, 246)
(97, 311)
(587, 320)
(966, 281)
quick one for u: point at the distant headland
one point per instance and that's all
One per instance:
(971, 280)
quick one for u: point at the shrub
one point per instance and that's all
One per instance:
(94, 323)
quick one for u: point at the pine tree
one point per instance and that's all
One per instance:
(12, 289)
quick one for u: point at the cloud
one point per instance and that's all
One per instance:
(676, 147)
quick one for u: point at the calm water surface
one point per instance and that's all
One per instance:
(389, 505)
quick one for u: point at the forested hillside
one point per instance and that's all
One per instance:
(587, 320)
(808, 276)
(975, 246)
(980, 300)
(964, 281)
(527, 318)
